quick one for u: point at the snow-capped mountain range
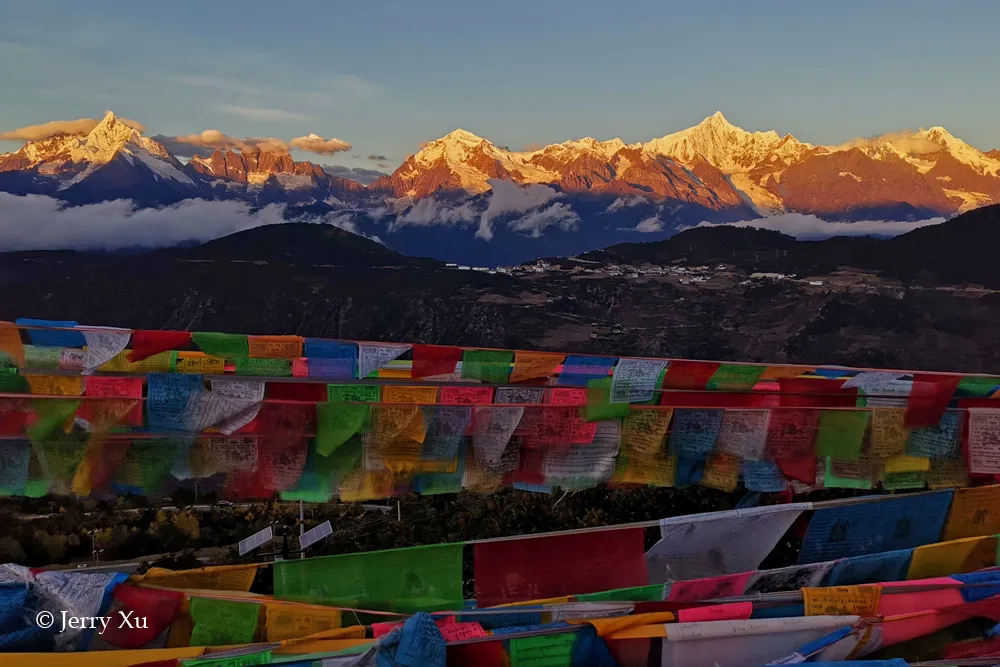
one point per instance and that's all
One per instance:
(461, 190)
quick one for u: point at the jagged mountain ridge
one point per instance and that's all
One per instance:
(461, 190)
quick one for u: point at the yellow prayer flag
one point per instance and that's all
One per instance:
(55, 385)
(948, 474)
(288, 621)
(907, 463)
(974, 512)
(216, 578)
(659, 470)
(532, 365)
(200, 363)
(366, 486)
(275, 347)
(955, 557)
(10, 343)
(393, 393)
(394, 373)
(888, 434)
(782, 372)
(102, 658)
(722, 472)
(842, 600)
(162, 362)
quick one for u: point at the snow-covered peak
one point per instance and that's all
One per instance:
(726, 146)
(586, 146)
(962, 151)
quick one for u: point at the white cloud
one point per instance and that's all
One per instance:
(509, 197)
(810, 227)
(536, 222)
(78, 127)
(625, 202)
(650, 225)
(37, 222)
(911, 143)
(429, 211)
(262, 113)
(314, 143)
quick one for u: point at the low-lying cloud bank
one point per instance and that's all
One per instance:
(37, 222)
(810, 228)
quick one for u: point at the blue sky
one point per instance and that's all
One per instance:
(388, 75)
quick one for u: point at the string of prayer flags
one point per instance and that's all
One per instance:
(406, 580)
(556, 565)
(51, 333)
(372, 357)
(735, 377)
(490, 366)
(534, 365)
(577, 370)
(220, 622)
(430, 360)
(929, 398)
(222, 344)
(634, 380)
(854, 530)
(689, 375)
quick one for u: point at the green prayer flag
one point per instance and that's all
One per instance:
(735, 377)
(651, 593)
(831, 481)
(976, 387)
(841, 433)
(259, 366)
(427, 578)
(51, 415)
(895, 481)
(250, 660)
(491, 366)
(221, 622)
(11, 382)
(543, 651)
(353, 393)
(42, 356)
(598, 406)
(222, 344)
(149, 461)
(336, 422)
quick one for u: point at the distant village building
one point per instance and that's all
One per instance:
(767, 276)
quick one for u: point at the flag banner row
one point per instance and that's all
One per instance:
(82, 412)
(559, 599)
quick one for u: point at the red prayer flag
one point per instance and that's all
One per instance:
(544, 567)
(147, 343)
(717, 399)
(156, 606)
(929, 398)
(434, 360)
(816, 393)
(311, 392)
(689, 374)
(802, 469)
(790, 434)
